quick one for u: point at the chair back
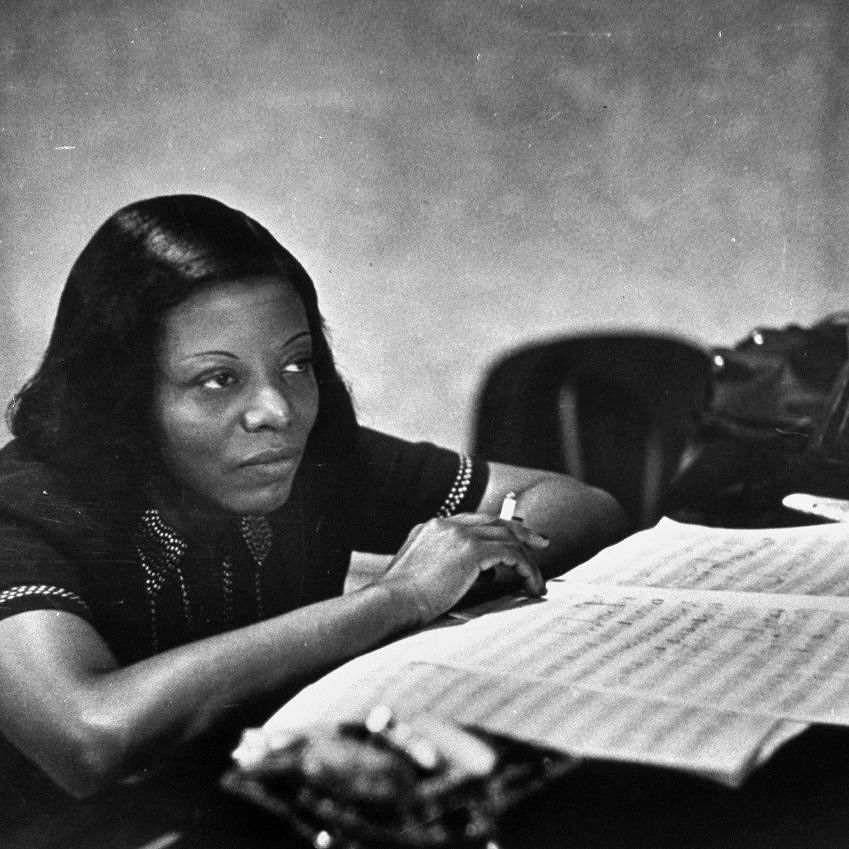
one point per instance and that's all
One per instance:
(612, 409)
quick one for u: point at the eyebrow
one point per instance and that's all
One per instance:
(216, 353)
(295, 338)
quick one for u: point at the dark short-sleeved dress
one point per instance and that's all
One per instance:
(145, 590)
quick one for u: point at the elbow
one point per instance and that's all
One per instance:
(97, 766)
(91, 757)
(600, 521)
(612, 522)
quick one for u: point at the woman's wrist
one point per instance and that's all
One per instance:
(405, 608)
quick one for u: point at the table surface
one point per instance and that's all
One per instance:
(799, 799)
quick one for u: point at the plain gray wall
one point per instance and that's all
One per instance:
(458, 177)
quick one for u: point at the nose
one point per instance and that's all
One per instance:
(268, 408)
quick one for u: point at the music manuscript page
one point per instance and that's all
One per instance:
(695, 648)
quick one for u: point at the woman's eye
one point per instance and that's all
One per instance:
(221, 380)
(300, 366)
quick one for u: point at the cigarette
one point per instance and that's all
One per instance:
(508, 507)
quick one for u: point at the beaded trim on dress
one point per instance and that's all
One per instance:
(27, 590)
(459, 488)
(160, 550)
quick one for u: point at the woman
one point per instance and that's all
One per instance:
(187, 483)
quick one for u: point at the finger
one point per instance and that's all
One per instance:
(503, 530)
(487, 527)
(527, 571)
(472, 519)
(531, 578)
(528, 536)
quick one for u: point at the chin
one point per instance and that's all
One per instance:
(259, 502)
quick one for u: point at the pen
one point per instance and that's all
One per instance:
(508, 507)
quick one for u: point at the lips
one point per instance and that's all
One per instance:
(271, 457)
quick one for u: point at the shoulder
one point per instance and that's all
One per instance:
(374, 444)
(390, 455)
(398, 484)
(47, 538)
(420, 473)
(35, 494)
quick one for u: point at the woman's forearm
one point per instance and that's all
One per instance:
(200, 681)
(89, 721)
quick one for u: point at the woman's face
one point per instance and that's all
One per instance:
(235, 395)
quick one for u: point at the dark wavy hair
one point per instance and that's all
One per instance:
(87, 409)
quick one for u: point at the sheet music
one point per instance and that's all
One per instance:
(812, 560)
(734, 638)
(524, 670)
(785, 657)
(720, 744)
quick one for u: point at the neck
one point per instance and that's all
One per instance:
(199, 524)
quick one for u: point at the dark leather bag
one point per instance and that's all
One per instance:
(775, 423)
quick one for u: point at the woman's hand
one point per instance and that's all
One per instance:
(442, 558)
(577, 518)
